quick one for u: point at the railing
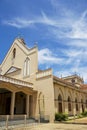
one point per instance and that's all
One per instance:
(44, 73)
(15, 81)
(19, 122)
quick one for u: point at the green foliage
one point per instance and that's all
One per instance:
(80, 116)
(84, 113)
(61, 117)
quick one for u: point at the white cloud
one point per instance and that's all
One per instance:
(81, 71)
(23, 22)
(75, 61)
(44, 19)
(19, 22)
(63, 25)
(78, 43)
(68, 27)
(46, 56)
(79, 27)
(73, 53)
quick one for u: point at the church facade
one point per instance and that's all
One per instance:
(37, 93)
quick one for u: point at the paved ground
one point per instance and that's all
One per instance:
(56, 127)
(61, 126)
(80, 120)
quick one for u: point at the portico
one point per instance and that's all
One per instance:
(15, 97)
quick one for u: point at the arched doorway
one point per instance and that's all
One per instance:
(69, 104)
(20, 103)
(30, 106)
(60, 104)
(82, 105)
(76, 104)
(5, 101)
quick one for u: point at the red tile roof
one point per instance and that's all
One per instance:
(84, 86)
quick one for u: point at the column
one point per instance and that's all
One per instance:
(80, 107)
(12, 104)
(66, 107)
(74, 108)
(27, 105)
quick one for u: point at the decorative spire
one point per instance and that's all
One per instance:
(19, 37)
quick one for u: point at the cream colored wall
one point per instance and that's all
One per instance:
(18, 62)
(73, 93)
(77, 80)
(58, 90)
(45, 86)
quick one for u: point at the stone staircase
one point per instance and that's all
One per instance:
(17, 123)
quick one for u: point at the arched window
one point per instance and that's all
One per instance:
(60, 103)
(14, 53)
(27, 67)
(59, 98)
(69, 104)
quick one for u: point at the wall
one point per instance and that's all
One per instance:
(66, 91)
(45, 86)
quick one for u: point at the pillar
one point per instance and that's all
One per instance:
(12, 104)
(27, 105)
(74, 108)
(80, 107)
(66, 107)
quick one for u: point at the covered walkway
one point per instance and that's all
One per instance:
(16, 97)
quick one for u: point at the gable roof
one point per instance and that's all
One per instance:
(20, 43)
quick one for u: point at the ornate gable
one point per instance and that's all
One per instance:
(12, 70)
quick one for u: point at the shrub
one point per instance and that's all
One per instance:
(80, 116)
(84, 113)
(61, 117)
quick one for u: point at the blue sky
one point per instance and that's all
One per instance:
(58, 27)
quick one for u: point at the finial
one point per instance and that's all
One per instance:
(75, 73)
(61, 76)
(21, 38)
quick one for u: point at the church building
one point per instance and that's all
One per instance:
(24, 89)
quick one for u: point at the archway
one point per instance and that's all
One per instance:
(60, 104)
(69, 104)
(20, 103)
(5, 101)
(82, 105)
(76, 104)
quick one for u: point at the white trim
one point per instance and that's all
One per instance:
(26, 68)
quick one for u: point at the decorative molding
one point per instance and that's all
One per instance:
(43, 74)
(12, 69)
(16, 81)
